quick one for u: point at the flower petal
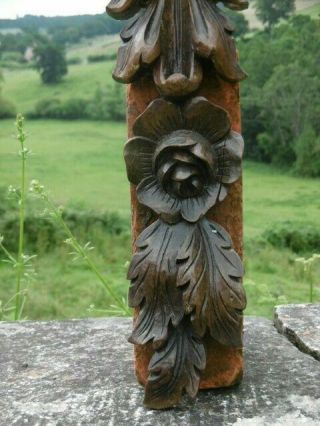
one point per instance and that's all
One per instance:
(192, 209)
(214, 123)
(138, 155)
(153, 196)
(183, 142)
(229, 153)
(123, 9)
(183, 172)
(159, 119)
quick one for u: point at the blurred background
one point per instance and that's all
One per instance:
(56, 61)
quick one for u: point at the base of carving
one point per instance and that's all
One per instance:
(224, 367)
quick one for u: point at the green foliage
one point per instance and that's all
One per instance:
(15, 42)
(63, 29)
(299, 237)
(7, 108)
(106, 104)
(82, 162)
(271, 11)
(307, 150)
(281, 98)
(239, 21)
(102, 57)
(309, 270)
(50, 62)
(74, 61)
(11, 57)
(42, 234)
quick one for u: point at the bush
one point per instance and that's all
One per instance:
(12, 57)
(107, 104)
(299, 237)
(102, 58)
(7, 109)
(74, 61)
(42, 234)
(72, 109)
(307, 149)
(46, 108)
(281, 99)
(50, 62)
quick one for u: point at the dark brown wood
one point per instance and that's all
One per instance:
(181, 163)
(182, 158)
(172, 36)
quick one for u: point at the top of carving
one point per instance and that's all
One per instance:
(125, 9)
(171, 37)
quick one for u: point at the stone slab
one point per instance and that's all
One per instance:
(81, 373)
(301, 325)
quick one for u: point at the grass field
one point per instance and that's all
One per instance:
(24, 87)
(81, 164)
(100, 45)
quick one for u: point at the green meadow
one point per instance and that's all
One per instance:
(81, 164)
(24, 87)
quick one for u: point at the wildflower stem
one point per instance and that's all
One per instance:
(8, 254)
(81, 252)
(311, 285)
(22, 201)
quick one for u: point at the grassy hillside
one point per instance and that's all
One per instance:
(24, 87)
(81, 164)
(101, 45)
(78, 161)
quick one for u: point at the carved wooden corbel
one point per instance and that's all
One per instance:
(186, 278)
(171, 37)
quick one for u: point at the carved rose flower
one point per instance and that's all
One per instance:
(187, 30)
(181, 163)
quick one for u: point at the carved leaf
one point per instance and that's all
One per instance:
(153, 274)
(172, 37)
(210, 274)
(236, 4)
(142, 43)
(178, 72)
(122, 9)
(175, 368)
(212, 36)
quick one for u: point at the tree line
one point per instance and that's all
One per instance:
(62, 29)
(281, 97)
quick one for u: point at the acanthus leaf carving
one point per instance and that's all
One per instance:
(210, 274)
(185, 281)
(175, 368)
(153, 274)
(172, 37)
(186, 278)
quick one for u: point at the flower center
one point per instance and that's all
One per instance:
(183, 163)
